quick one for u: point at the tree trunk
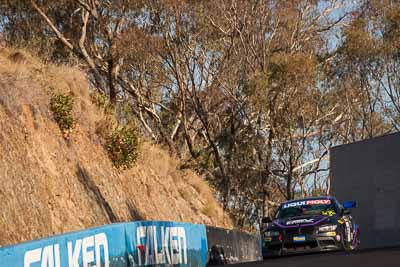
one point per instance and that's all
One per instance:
(111, 83)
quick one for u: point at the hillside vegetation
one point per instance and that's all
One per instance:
(251, 94)
(51, 184)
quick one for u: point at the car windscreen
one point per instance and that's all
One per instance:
(306, 207)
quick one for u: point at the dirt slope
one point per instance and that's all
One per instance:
(49, 185)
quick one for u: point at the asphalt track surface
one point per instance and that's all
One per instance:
(366, 258)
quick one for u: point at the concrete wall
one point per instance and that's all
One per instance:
(369, 173)
(232, 246)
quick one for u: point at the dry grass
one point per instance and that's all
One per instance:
(184, 194)
(201, 186)
(210, 210)
(51, 185)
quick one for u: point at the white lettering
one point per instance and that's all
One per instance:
(300, 221)
(182, 239)
(165, 245)
(57, 255)
(48, 257)
(168, 245)
(149, 245)
(174, 244)
(32, 256)
(140, 233)
(101, 241)
(87, 255)
(294, 204)
(308, 202)
(73, 255)
(159, 256)
(90, 247)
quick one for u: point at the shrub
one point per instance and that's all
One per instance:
(61, 105)
(118, 131)
(122, 146)
(101, 100)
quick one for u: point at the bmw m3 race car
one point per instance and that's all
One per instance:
(310, 225)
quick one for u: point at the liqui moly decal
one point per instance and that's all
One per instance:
(294, 204)
(319, 202)
(307, 202)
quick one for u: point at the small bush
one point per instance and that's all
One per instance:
(118, 132)
(122, 146)
(101, 100)
(61, 105)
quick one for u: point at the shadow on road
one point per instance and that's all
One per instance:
(385, 257)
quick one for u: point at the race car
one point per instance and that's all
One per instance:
(310, 225)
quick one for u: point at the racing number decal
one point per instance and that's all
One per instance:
(329, 213)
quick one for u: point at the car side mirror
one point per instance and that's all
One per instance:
(266, 220)
(349, 204)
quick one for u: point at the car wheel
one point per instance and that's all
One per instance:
(342, 242)
(352, 246)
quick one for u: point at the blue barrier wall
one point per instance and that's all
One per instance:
(116, 245)
(176, 243)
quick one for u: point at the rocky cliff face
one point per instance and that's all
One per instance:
(50, 185)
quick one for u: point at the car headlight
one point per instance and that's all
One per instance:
(327, 228)
(271, 233)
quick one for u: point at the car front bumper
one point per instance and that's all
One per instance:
(313, 243)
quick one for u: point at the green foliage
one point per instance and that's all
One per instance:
(101, 100)
(118, 131)
(122, 146)
(61, 105)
